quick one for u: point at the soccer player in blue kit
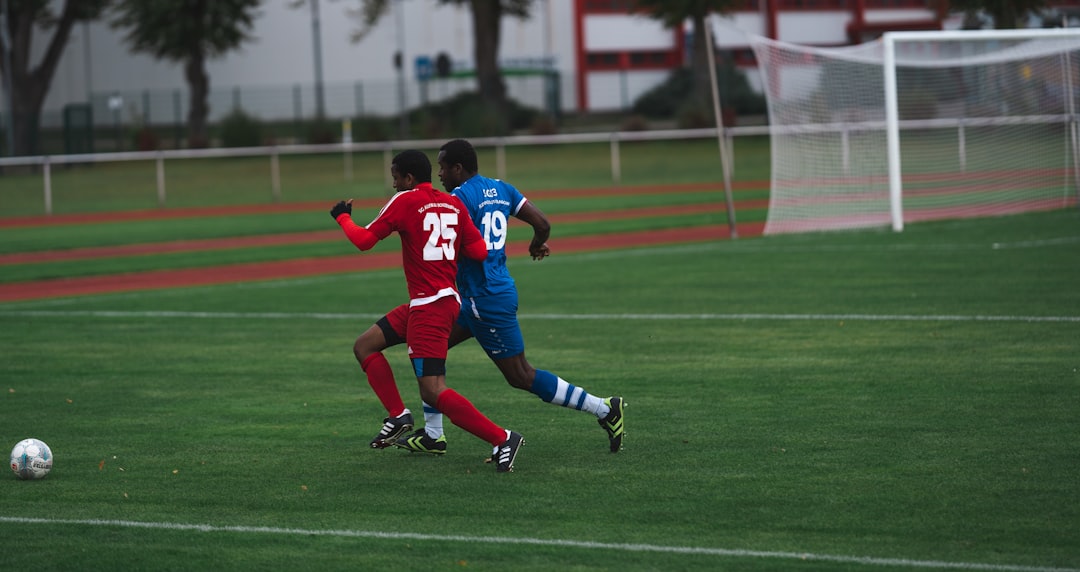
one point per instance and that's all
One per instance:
(490, 300)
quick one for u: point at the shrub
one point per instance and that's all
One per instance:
(694, 116)
(665, 99)
(635, 123)
(544, 124)
(239, 129)
(146, 139)
(372, 129)
(322, 131)
(670, 98)
(469, 115)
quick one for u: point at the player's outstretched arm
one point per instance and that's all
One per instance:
(361, 237)
(535, 218)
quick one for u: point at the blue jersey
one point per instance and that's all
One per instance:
(490, 203)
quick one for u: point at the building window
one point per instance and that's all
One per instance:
(897, 4)
(608, 6)
(631, 60)
(812, 4)
(603, 60)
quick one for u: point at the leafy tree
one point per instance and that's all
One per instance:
(31, 83)
(188, 32)
(673, 13)
(486, 18)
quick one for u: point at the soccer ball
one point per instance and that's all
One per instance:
(31, 459)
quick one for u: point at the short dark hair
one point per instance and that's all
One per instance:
(415, 163)
(460, 151)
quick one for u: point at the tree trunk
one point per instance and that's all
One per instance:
(487, 15)
(199, 86)
(700, 63)
(31, 85)
(27, 103)
(1006, 16)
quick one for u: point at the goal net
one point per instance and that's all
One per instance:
(919, 126)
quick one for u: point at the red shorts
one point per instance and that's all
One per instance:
(426, 328)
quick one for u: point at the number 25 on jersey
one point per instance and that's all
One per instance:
(442, 229)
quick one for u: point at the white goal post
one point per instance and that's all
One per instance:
(921, 126)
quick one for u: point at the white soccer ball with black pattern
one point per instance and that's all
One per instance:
(31, 459)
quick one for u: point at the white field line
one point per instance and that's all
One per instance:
(455, 538)
(158, 314)
(795, 246)
(1037, 243)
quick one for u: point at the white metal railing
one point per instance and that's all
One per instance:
(347, 149)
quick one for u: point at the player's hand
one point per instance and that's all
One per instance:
(343, 207)
(539, 252)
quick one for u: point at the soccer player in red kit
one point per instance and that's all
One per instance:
(434, 228)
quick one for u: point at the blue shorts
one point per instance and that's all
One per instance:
(492, 320)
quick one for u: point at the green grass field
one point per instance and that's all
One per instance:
(838, 401)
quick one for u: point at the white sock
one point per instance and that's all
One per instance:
(495, 449)
(433, 422)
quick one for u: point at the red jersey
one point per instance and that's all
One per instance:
(434, 227)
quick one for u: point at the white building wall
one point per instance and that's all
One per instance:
(822, 27)
(608, 32)
(617, 90)
(729, 31)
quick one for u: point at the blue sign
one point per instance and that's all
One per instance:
(425, 68)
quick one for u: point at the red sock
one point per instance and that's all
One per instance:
(381, 379)
(463, 414)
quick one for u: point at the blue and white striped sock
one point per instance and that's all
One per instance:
(433, 422)
(556, 390)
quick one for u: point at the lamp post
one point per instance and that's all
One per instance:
(399, 62)
(9, 85)
(86, 63)
(316, 38)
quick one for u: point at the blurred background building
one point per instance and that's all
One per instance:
(569, 58)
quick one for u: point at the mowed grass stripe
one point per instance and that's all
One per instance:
(254, 250)
(331, 248)
(326, 236)
(30, 290)
(375, 203)
(238, 221)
